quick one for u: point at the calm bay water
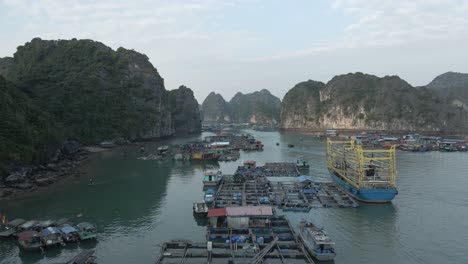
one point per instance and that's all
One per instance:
(138, 204)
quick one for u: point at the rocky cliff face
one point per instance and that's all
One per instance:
(93, 91)
(215, 109)
(53, 91)
(259, 107)
(362, 101)
(185, 111)
(452, 87)
(5, 66)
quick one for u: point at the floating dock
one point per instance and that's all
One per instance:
(301, 195)
(250, 170)
(268, 239)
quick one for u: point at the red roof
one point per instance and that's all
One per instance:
(26, 235)
(249, 211)
(217, 212)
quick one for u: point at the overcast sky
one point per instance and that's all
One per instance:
(228, 46)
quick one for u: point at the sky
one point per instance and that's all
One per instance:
(230, 46)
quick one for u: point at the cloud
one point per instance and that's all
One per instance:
(399, 22)
(244, 45)
(390, 24)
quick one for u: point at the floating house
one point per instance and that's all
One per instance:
(51, 236)
(237, 217)
(11, 227)
(30, 240)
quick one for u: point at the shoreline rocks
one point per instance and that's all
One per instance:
(28, 178)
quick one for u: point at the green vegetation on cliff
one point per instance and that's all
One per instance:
(452, 87)
(24, 127)
(92, 92)
(185, 110)
(82, 90)
(257, 107)
(363, 101)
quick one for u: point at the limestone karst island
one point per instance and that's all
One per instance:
(233, 132)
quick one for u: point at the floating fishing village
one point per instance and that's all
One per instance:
(243, 209)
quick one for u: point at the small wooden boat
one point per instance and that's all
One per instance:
(10, 228)
(30, 240)
(85, 257)
(200, 209)
(162, 150)
(277, 144)
(317, 242)
(291, 145)
(86, 231)
(209, 196)
(69, 233)
(302, 164)
(51, 236)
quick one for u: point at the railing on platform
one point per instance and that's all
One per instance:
(362, 167)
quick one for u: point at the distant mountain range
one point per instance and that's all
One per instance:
(352, 101)
(257, 107)
(363, 101)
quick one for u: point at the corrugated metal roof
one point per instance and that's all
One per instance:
(27, 235)
(217, 212)
(249, 211)
(304, 178)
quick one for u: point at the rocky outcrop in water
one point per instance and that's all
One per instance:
(258, 107)
(185, 110)
(362, 101)
(215, 109)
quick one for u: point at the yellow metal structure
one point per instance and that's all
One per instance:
(362, 167)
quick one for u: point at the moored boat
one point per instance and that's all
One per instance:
(367, 174)
(86, 231)
(302, 164)
(209, 196)
(10, 228)
(317, 242)
(84, 257)
(39, 226)
(212, 178)
(30, 240)
(463, 148)
(51, 236)
(69, 233)
(200, 209)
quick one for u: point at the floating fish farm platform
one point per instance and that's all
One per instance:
(301, 195)
(264, 240)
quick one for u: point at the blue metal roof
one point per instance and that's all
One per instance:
(49, 230)
(304, 178)
(67, 229)
(210, 191)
